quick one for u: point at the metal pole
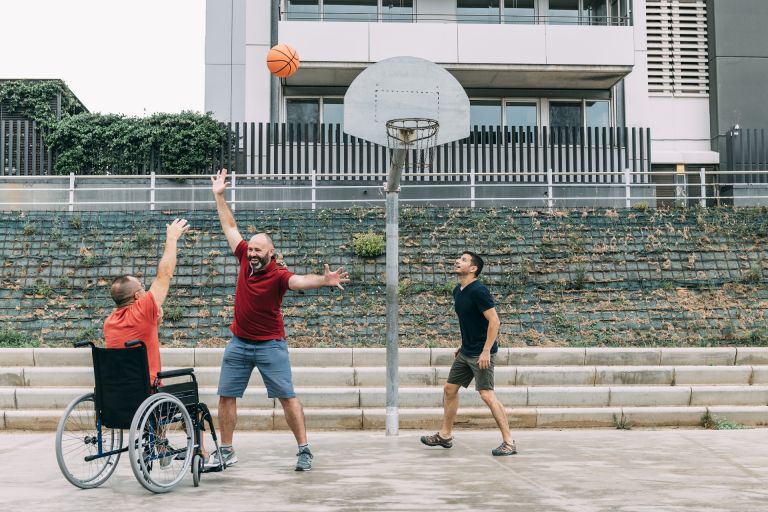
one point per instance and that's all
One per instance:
(472, 187)
(550, 189)
(314, 188)
(274, 96)
(627, 188)
(703, 179)
(71, 191)
(152, 192)
(392, 188)
(233, 199)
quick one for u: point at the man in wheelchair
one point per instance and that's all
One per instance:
(139, 312)
(164, 420)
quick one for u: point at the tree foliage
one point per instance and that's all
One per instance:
(35, 99)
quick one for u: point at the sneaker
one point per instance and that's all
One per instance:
(437, 440)
(505, 448)
(304, 463)
(214, 462)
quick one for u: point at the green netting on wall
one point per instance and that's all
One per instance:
(570, 277)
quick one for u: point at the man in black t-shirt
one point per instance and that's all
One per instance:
(476, 357)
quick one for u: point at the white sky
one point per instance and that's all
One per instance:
(119, 56)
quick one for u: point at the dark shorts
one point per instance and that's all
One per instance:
(465, 368)
(270, 357)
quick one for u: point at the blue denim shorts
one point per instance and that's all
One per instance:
(270, 357)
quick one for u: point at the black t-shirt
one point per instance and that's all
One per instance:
(470, 303)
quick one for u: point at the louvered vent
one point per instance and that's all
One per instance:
(677, 48)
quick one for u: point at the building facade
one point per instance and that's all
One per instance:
(684, 69)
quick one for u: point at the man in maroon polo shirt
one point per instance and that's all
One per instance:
(258, 336)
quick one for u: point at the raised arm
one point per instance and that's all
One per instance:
(228, 225)
(167, 265)
(311, 281)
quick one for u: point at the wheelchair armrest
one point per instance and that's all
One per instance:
(79, 344)
(133, 343)
(176, 373)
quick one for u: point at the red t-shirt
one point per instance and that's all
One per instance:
(258, 298)
(136, 322)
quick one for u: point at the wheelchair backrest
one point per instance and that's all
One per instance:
(122, 383)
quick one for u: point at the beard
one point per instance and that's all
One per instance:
(259, 263)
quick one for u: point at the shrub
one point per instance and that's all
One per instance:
(108, 143)
(368, 245)
(10, 338)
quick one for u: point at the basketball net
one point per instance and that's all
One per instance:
(417, 136)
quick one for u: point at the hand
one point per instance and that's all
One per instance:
(219, 182)
(484, 361)
(175, 229)
(456, 353)
(335, 278)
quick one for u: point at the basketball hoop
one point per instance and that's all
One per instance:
(418, 137)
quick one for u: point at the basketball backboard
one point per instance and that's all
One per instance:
(405, 87)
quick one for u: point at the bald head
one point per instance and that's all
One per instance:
(261, 239)
(124, 289)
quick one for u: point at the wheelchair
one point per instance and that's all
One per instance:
(164, 424)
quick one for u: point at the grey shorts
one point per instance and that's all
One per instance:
(270, 357)
(465, 368)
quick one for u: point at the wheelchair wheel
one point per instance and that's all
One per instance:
(161, 442)
(77, 437)
(197, 469)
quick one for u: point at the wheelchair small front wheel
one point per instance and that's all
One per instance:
(197, 469)
(78, 437)
(161, 442)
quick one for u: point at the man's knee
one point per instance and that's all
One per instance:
(451, 390)
(488, 396)
(227, 402)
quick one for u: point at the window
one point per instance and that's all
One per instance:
(564, 12)
(302, 9)
(594, 12)
(564, 118)
(477, 11)
(302, 110)
(677, 48)
(484, 113)
(519, 11)
(598, 113)
(350, 10)
(521, 114)
(397, 10)
(333, 111)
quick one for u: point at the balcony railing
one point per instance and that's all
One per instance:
(405, 17)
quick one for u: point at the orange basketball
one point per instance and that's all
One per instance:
(282, 60)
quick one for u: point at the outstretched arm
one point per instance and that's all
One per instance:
(228, 225)
(167, 265)
(311, 281)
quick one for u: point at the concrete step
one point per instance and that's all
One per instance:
(372, 357)
(420, 397)
(428, 419)
(437, 375)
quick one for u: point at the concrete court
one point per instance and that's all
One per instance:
(556, 470)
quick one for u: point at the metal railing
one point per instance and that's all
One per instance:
(627, 188)
(385, 16)
(508, 153)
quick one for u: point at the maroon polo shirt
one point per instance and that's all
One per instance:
(258, 298)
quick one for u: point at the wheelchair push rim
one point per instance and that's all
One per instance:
(161, 442)
(79, 435)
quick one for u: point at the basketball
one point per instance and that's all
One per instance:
(282, 60)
